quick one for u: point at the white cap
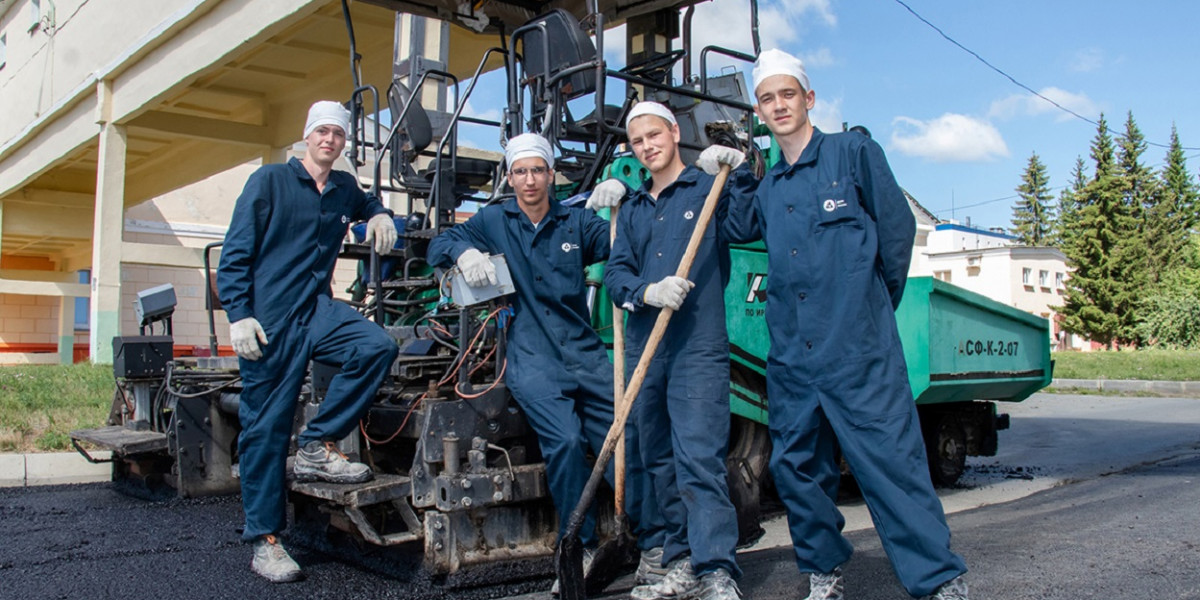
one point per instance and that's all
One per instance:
(528, 145)
(777, 62)
(650, 108)
(327, 112)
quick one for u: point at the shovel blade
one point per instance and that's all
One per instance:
(568, 565)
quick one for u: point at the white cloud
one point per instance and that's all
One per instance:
(491, 114)
(827, 115)
(1019, 105)
(948, 138)
(822, 57)
(726, 23)
(1087, 60)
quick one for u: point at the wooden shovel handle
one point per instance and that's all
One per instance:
(618, 326)
(664, 316)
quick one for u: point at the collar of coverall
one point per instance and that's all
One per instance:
(808, 156)
(689, 177)
(512, 207)
(298, 167)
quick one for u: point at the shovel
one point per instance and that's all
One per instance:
(614, 553)
(569, 559)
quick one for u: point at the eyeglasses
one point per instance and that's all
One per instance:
(523, 171)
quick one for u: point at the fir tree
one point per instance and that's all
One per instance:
(1033, 216)
(1094, 297)
(1068, 206)
(1132, 264)
(1170, 220)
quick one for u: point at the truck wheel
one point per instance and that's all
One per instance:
(946, 447)
(746, 464)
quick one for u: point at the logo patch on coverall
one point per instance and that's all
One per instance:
(688, 215)
(567, 247)
(345, 219)
(831, 205)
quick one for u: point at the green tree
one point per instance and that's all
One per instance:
(1170, 313)
(1169, 220)
(1033, 216)
(1095, 299)
(1132, 269)
(1068, 206)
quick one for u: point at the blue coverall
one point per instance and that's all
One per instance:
(686, 390)
(839, 232)
(277, 266)
(558, 370)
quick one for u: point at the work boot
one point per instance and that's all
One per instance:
(322, 461)
(955, 589)
(273, 562)
(588, 556)
(650, 568)
(718, 585)
(679, 582)
(825, 586)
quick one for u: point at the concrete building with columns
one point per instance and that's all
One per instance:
(111, 103)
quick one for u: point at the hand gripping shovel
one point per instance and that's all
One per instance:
(569, 560)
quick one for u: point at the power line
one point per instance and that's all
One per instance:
(1011, 78)
(956, 207)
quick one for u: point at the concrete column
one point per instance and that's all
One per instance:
(66, 330)
(274, 156)
(107, 233)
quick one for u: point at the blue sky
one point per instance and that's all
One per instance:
(957, 133)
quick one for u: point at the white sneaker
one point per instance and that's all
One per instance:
(955, 589)
(825, 586)
(273, 562)
(718, 585)
(650, 568)
(679, 582)
(588, 556)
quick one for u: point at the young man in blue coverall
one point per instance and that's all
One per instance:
(686, 390)
(558, 371)
(839, 233)
(275, 280)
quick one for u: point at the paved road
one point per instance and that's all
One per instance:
(1090, 497)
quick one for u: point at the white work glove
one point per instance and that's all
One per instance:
(714, 156)
(607, 194)
(668, 293)
(476, 268)
(382, 230)
(245, 336)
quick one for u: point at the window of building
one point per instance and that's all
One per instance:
(942, 276)
(41, 14)
(1044, 279)
(1026, 275)
(3, 49)
(83, 306)
(1058, 281)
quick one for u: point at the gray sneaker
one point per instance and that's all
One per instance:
(273, 562)
(650, 568)
(955, 589)
(825, 586)
(679, 582)
(588, 556)
(322, 461)
(718, 585)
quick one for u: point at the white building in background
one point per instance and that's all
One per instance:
(986, 261)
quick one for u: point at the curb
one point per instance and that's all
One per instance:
(55, 468)
(1186, 389)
